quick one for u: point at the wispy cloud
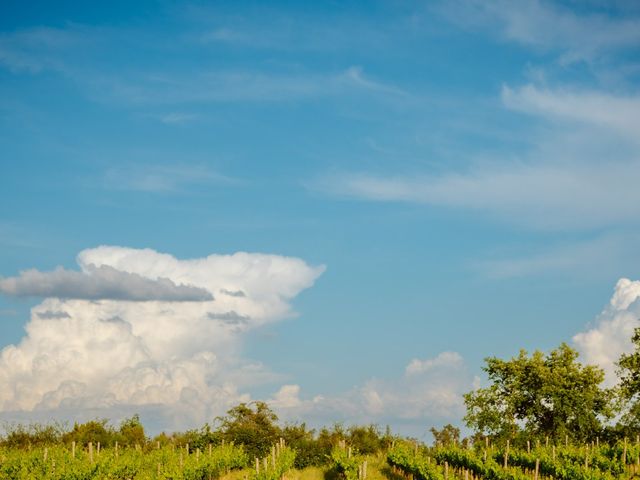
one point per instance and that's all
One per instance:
(543, 24)
(537, 196)
(607, 254)
(221, 86)
(267, 28)
(64, 50)
(581, 174)
(617, 113)
(177, 118)
(36, 49)
(163, 178)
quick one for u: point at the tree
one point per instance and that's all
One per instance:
(552, 395)
(132, 431)
(94, 431)
(252, 425)
(309, 451)
(448, 435)
(629, 388)
(365, 439)
(35, 434)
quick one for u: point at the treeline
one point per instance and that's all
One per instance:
(253, 425)
(549, 399)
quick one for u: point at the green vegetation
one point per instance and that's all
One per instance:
(62, 462)
(542, 416)
(561, 463)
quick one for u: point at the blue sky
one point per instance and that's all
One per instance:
(466, 172)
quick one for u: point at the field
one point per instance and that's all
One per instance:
(404, 460)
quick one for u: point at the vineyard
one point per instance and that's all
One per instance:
(69, 463)
(621, 461)
(402, 460)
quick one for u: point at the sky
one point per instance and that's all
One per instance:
(340, 208)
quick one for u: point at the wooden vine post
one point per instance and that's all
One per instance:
(506, 455)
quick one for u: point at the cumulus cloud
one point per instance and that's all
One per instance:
(610, 336)
(169, 358)
(452, 359)
(429, 393)
(100, 283)
(49, 314)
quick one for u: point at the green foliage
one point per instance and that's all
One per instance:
(129, 463)
(448, 435)
(252, 425)
(35, 434)
(195, 438)
(552, 395)
(410, 461)
(566, 465)
(132, 431)
(562, 463)
(310, 452)
(347, 462)
(629, 373)
(488, 468)
(94, 431)
(366, 439)
(276, 464)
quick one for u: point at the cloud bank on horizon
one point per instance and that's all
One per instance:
(141, 328)
(138, 330)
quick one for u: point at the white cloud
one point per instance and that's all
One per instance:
(610, 337)
(620, 114)
(581, 176)
(542, 24)
(537, 196)
(287, 397)
(176, 359)
(429, 393)
(445, 359)
(163, 178)
(100, 283)
(221, 86)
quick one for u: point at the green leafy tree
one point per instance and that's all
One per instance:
(94, 431)
(252, 425)
(309, 450)
(629, 388)
(542, 395)
(447, 435)
(365, 439)
(33, 435)
(132, 431)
